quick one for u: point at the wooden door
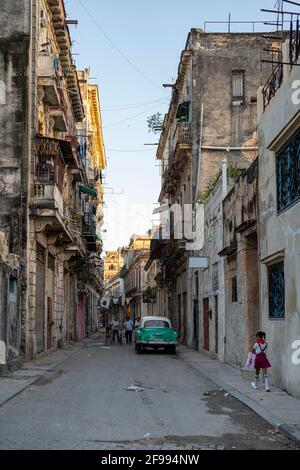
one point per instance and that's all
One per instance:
(40, 305)
(49, 323)
(206, 323)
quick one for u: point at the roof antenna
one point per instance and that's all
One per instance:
(229, 23)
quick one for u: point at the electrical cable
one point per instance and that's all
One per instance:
(129, 118)
(117, 48)
(129, 151)
(133, 106)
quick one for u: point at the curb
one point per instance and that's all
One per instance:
(77, 348)
(267, 416)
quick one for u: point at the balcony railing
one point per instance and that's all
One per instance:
(182, 137)
(89, 226)
(273, 84)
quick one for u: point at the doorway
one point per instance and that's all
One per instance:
(206, 315)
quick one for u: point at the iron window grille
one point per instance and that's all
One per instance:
(288, 173)
(276, 291)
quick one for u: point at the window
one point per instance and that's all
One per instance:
(234, 294)
(156, 324)
(13, 285)
(2, 92)
(276, 291)
(288, 174)
(237, 78)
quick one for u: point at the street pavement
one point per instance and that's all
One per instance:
(83, 402)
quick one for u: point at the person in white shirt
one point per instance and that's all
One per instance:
(128, 330)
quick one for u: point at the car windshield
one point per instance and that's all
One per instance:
(156, 323)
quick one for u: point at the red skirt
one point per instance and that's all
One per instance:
(261, 361)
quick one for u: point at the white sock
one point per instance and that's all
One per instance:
(267, 383)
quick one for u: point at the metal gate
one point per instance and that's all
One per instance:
(40, 298)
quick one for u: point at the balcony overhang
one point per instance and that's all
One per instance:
(63, 38)
(60, 123)
(51, 92)
(47, 146)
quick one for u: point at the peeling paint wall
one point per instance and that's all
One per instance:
(215, 58)
(279, 236)
(241, 266)
(15, 22)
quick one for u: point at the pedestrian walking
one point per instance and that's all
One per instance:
(121, 328)
(108, 333)
(261, 360)
(115, 330)
(128, 330)
(137, 323)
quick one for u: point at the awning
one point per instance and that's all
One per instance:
(86, 190)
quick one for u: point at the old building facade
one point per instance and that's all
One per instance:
(51, 176)
(136, 255)
(113, 262)
(209, 121)
(279, 215)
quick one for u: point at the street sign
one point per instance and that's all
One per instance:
(200, 262)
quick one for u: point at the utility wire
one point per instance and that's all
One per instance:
(117, 48)
(130, 118)
(129, 151)
(133, 106)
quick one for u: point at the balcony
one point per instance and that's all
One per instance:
(48, 79)
(89, 231)
(286, 58)
(182, 141)
(60, 121)
(273, 84)
(48, 207)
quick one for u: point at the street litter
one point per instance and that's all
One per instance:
(135, 388)
(226, 394)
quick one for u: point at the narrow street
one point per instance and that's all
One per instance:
(84, 403)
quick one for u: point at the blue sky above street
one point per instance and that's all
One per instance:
(132, 48)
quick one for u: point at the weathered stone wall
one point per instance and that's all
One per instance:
(240, 238)
(210, 278)
(15, 21)
(279, 236)
(240, 205)
(215, 57)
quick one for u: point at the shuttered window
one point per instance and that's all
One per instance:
(238, 92)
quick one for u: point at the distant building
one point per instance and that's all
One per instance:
(113, 262)
(136, 256)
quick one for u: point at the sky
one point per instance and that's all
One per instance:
(132, 47)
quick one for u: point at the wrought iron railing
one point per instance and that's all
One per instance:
(89, 225)
(294, 48)
(273, 84)
(183, 134)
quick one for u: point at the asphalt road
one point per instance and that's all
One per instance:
(85, 404)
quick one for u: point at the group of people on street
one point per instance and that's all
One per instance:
(115, 329)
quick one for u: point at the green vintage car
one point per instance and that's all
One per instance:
(155, 333)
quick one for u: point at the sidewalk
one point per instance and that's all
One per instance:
(277, 408)
(11, 384)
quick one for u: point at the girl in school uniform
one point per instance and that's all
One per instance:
(261, 361)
